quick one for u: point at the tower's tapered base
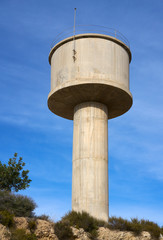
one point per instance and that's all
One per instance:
(90, 160)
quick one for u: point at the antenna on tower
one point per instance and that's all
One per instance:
(74, 51)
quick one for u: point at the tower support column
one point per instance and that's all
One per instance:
(90, 160)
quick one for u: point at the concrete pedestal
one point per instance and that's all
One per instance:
(90, 160)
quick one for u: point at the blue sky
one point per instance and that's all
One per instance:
(44, 140)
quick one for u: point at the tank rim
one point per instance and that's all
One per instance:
(65, 108)
(90, 35)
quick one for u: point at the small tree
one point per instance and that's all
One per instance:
(12, 176)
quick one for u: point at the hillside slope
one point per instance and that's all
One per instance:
(44, 230)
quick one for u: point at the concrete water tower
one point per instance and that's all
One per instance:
(89, 85)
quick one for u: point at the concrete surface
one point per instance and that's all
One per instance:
(99, 73)
(90, 160)
(90, 89)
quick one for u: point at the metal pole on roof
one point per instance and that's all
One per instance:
(74, 19)
(74, 51)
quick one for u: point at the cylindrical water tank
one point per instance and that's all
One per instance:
(99, 72)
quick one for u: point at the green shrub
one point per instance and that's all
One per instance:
(19, 205)
(152, 228)
(118, 223)
(63, 231)
(20, 234)
(6, 218)
(90, 225)
(162, 230)
(32, 225)
(136, 226)
(101, 223)
(43, 217)
(83, 220)
(125, 225)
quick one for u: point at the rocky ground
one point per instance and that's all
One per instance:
(45, 231)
